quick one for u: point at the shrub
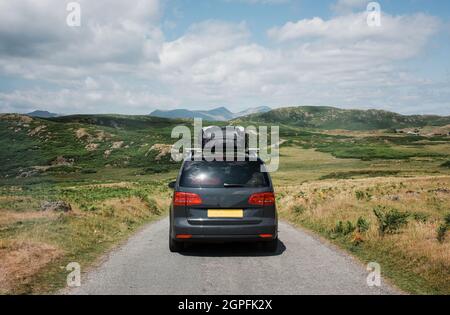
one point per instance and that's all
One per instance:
(298, 209)
(344, 229)
(443, 229)
(421, 217)
(441, 232)
(349, 228)
(88, 171)
(361, 195)
(447, 219)
(446, 164)
(339, 228)
(91, 208)
(390, 220)
(362, 225)
(62, 169)
(155, 169)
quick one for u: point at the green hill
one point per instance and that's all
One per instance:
(80, 144)
(349, 119)
(38, 146)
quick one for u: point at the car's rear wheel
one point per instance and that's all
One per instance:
(271, 246)
(175, 246)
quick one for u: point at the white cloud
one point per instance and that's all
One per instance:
(202, 40)
(119, 61)
(111, 31)
(412, 30)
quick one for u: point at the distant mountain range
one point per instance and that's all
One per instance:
(317, 117)
(42, 114)
(322, 117)
(217, 114)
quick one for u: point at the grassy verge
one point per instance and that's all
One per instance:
(36, 245)
(408, 249)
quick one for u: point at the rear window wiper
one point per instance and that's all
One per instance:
(232, 185)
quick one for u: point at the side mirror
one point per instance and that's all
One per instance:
(172, 185)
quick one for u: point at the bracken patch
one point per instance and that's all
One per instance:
(19, 261)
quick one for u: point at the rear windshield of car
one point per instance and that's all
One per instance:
(203, 174)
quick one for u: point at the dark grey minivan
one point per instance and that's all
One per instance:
(223, 201)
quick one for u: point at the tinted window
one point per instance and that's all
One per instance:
(216, 174)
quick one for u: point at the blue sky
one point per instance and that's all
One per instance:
(142, 55)
(261, 16)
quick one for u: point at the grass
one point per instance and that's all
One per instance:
(35, 245)
(88, 141)
(336, 197)
(298, 165)
(410, 254)
(363, 173)
(328, 181)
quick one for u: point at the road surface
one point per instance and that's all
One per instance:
(302, 265)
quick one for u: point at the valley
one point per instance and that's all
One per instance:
(112, 172)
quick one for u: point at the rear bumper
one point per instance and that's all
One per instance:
(225, 232)
(225, 239)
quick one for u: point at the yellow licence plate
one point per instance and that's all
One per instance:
(225, 213)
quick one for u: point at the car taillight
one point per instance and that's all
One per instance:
(262, 199)
(186, 199)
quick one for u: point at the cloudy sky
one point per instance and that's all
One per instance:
(135, 56)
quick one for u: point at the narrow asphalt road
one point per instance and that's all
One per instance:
(302, 265)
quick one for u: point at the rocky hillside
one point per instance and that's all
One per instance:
(82, 143)
(334, 118)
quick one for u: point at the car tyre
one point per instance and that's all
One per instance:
(271, 246)
(175, 246)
